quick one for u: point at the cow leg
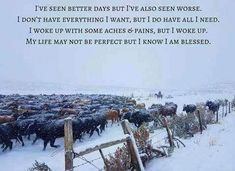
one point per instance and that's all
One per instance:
(136, 124)
(35, 140)
(102, 128)
(75, 137)
(92, 131)
(78, 136)
(52, 144)
(17, 140)
(7, 144)
(29, 137)
(97, 130)
(80, 139)
(119, 117)
(21, 140)
(10, 144)
(4, 149)
(105, 123)
(117, 120)
(45, 144)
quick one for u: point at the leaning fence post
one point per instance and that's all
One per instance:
(68, 144)
(131, 144)
(105, 163)
(169, 133)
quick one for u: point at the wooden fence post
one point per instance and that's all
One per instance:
(68, 144)
(105, 163)
(223, 111)
(200, 120)
(131, 144)
(229, 107)
(217, 116)
(226, 104)
(169, 133)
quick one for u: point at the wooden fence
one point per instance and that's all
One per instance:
(128, 138)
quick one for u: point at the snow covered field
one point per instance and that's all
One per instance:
(213, 150)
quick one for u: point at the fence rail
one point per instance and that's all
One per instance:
(70, 155)
(99, 147)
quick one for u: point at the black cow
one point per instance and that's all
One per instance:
(190, 108)
(38, 121)
(138, 117)
(169, 109)
(22, 127)
(213, 106)
(4, 139)
(156, 109)
(7, 132)
(13, 132)
(100, 120)
(89, 125)
(127, 115)
(42, 116)
(77, 129)
(48, 131)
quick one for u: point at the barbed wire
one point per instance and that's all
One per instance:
(100, 169)
(88, 162)
(91, 161)
(55, 152)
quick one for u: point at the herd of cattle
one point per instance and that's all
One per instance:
(44, 115)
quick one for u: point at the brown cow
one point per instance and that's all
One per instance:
(113, 115)
(140, 106)
(124, 110)
(68, 111)
(131, 101)
(5, 119)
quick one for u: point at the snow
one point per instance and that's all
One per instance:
(24, 157)
(213, 150)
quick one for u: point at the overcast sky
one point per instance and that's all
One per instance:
(133, 66)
